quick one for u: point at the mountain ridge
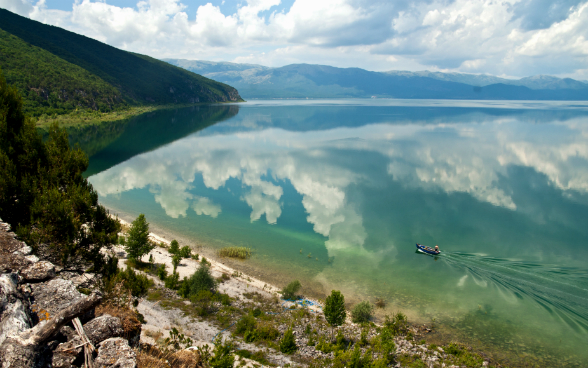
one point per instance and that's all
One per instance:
(323, 81)
(135, 79)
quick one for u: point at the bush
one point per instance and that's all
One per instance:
(362, 312)
(173, 281)
(334, 309)
(289, 292)
(137, 283)
(174, 247)
(200, 280)
(138, 243)
(161, 272)
(223, 357)
(245, 324)
(185, 252)
(288, 343)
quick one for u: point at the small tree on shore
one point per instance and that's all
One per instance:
(335, 309)
(289, 292)
(174, 247)
(138, 243)
(362, 312)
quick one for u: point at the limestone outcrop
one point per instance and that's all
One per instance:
(46, 322)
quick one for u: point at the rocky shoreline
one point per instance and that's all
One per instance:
(34, 293)
(45, 321)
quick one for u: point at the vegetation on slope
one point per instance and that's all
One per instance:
(43, 194)
(141, 80)
(51, 85)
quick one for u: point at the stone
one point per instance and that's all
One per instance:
(13, 309)
(103, 328)
(38, 271)
(115, 353)
(67, 353)
(50, 297)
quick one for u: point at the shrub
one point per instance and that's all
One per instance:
(173, 281)
(174, 247)
(223, 357)
(245, 324)
(176, 259)
(288, 343)
(137, 283)
(334, 309)
(289, 292)
(195, 257)
(397, 324)
(185, 252)
(200, 280)
(138, 243)
(362, 312)
(161, 272)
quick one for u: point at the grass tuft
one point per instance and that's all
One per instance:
(235, 252)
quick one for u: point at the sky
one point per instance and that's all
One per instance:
(508, 38)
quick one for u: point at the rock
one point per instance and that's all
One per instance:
(50, 297)
(115, 352)
(66, 353)
(13, 316)
(33, 258)
(38, 271)
(103, 328)
(25, 250)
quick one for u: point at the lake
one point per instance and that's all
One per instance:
(336, 193)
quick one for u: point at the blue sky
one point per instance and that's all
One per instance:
(509, 38)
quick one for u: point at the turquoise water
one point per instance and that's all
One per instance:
(337, 193)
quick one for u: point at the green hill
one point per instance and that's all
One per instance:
(58, 71)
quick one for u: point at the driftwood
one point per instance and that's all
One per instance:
(88, 347)
(20, 351)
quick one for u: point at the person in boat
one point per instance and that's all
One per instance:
(436, 248)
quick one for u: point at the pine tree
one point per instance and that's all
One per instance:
(138, 243)
(335, 309)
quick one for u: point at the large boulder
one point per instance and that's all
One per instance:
(38, 272)
(13, 309)
(115, 353)
(103, 328)
(50, 297)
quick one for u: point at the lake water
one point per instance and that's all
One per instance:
(337, 193)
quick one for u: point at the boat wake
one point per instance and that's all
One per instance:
(561, 291)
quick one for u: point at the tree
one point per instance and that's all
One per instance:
(200, 280)
(176, 261)
(44, 195)
(288, 342)
(174, 247)
(289, 292)
(362, 312)
(185, 252)
(138, 243)
(335, 309)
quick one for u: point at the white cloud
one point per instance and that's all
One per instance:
(204, 206)
(470, 36)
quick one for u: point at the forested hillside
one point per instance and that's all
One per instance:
(58, 71)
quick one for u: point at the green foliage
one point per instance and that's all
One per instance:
(176, 259)
(200, 280)
(247, 323)
(335, 308)
(235, 252)
(258, 356)
(60, 71)
(174, 247)
(397, 324)
(138, 243)
(185, 252)
(289, 292)
(223, 355)
(288, 342)
(173, 281)
(43, 193)
(177, 341)
(362, 312)
(119, 287)
(161, 272)
(353, 359)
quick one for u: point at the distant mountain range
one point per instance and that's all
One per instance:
(58, 71)
(319, 81)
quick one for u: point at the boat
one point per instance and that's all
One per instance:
(425, 249)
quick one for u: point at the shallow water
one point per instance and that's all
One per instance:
(337, 193)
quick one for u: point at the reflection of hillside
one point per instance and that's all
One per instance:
(111, 143)
(304, 118)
